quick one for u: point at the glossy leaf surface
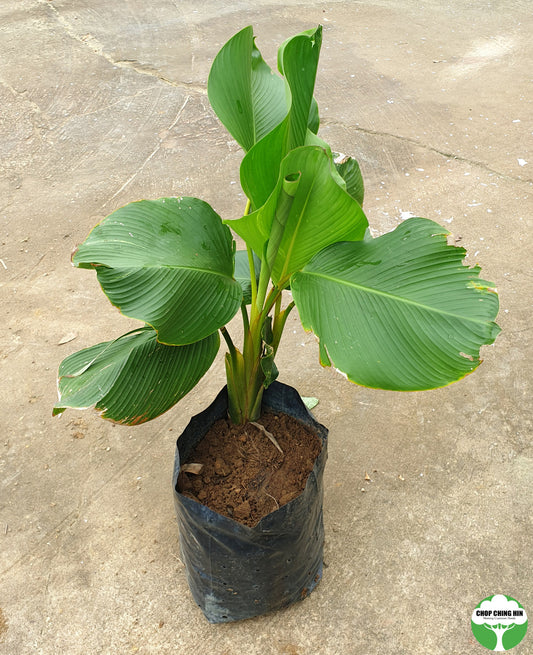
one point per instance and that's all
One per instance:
(168, 262)
(400, 311)
(260, 167)
(247, 96)
(134, 378)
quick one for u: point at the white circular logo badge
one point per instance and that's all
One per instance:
(499, 622)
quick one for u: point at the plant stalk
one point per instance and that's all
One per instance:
(247, 372)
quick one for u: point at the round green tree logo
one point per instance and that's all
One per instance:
(499, 622)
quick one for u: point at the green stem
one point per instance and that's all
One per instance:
(253, 280)
(244, 371)
(273, 298)
(281, 216)
(251, 265)
(264, 279)
(278, 305)
(245, 319)
(229, 341)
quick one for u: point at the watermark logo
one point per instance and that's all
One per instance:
(499, 622)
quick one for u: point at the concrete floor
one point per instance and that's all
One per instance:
(105, 102)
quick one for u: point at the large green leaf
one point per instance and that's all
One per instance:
(315, 37)
(168, 262)
(398, 312)
(300, 55)
(247, 96)
(134, 378)
(320, 213)
(260, 167)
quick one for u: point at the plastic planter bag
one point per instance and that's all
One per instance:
(234, 571)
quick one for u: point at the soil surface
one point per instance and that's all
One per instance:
(244, 475)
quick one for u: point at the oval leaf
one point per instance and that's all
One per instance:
(167, 262)
(248, 98)
(398, 312)
(134, 378)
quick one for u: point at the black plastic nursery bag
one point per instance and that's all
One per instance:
(234, 571)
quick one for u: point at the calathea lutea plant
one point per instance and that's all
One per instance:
(398, 312)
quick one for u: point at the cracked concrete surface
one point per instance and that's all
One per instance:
(104, 103)
(447, 155)
(98, 48)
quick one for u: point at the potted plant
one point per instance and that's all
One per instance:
(399, 312)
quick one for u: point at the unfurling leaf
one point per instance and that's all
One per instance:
(260, 167)
(320, 213)
(247, 96)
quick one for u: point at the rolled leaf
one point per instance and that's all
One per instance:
(134, 378)
(321, 213)
(167, 262)
(400, 311)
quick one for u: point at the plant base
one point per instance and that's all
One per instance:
(235, 571)
(244, 475)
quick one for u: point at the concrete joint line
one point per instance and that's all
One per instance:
(448, 155)
(97, 48)
(150, 156)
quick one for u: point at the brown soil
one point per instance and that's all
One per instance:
(244, 476)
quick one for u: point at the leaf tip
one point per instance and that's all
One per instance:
(325, 361)
(310, 401)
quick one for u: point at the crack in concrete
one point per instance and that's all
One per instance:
(103, 108)
(22, 96)
(150, 156)
(97, 47)
(448, 155)
(147, 69)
